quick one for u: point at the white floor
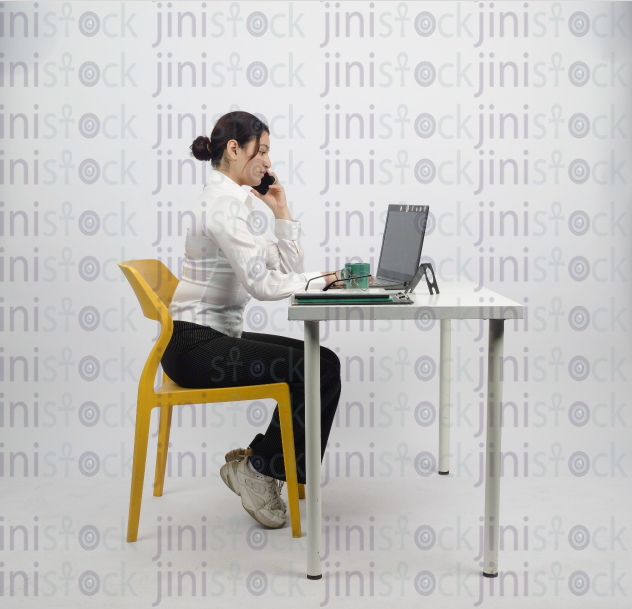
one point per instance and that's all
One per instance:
(388, 513)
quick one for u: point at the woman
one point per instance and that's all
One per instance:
(229, 259)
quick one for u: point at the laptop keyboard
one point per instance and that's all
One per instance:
(378, 281)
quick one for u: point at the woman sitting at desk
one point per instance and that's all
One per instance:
(228, 260)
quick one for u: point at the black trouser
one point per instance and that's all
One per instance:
(200, 357)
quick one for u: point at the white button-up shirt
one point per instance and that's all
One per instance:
(229, 258)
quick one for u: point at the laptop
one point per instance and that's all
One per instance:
(399, 257)
(401, 246)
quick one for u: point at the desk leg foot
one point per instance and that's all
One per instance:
(444, 397)
(312, 446)
(444, 473)
(492, 447)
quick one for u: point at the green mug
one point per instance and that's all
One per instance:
(352, 272)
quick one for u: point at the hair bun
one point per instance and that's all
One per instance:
(201, 148)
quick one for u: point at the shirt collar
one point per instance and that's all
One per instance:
(217, 179)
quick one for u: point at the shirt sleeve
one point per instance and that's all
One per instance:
(230, 224)
(287, 254)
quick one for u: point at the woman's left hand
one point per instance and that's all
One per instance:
(275, 199)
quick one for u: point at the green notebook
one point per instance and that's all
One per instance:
(355, 300)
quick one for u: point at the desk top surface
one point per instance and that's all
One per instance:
(457, 300)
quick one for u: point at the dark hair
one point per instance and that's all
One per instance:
(238, 125)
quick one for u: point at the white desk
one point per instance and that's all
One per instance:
(455, 301)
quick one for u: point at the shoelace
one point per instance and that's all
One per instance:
(276, 486)
(280, 487)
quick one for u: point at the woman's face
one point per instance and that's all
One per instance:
(252, 170)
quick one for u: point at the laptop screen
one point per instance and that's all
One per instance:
(402, 242)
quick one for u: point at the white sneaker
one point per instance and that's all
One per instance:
(238, 454)
(260, 495)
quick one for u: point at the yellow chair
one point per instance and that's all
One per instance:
(154, 285)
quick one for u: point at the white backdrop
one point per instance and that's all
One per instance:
(511, 120)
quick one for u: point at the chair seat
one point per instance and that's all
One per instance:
(184, 395)
(171, 387)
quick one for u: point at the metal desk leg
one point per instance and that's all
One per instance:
(312, 446)
(444, 397)
(492, 452)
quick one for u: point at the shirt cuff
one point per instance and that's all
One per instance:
(317, 284)
(287, 229)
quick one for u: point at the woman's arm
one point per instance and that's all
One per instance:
(227, 222)
(287, 254)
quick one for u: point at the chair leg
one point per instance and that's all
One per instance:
(289, 457)
(163, 448)
(141, 438)
(301, 491)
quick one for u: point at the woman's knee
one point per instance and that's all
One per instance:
(329, 372)
(330, 356)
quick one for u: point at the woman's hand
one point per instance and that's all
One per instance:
(275, 199)
(331, 278)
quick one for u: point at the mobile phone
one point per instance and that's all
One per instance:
(266, 181)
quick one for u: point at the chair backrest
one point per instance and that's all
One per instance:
(149, 279)
(154, 285)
